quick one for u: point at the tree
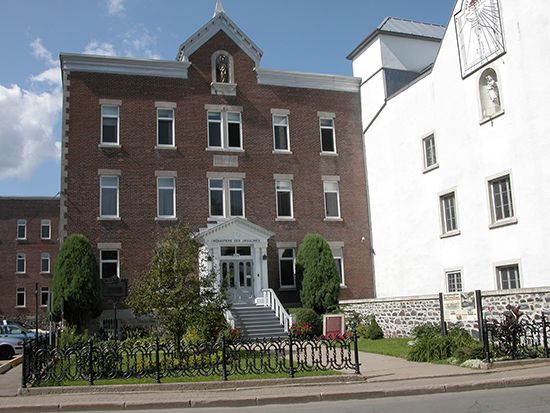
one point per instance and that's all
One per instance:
(177, 290)
(76, 286)
(317, 274)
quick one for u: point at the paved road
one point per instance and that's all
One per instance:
(533, 399)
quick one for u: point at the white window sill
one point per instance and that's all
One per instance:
(108, 218)
(109, 146)
(328, 154)
(504, 223)
(20, 306)
(166, 147)
(281, 152)
(166, 218)
(490, 118)
(217, 149)
(21, 239)
(450, 234)
(289, 288)
(430, 168)
(20, 273)
(335, 219)
(45, 272)
(284, 219)
(43, 306)
(46, 239)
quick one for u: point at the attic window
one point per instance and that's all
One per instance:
(223, 74)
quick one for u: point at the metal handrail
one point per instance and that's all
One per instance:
(271, 300)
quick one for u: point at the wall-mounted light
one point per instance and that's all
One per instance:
(264, 257)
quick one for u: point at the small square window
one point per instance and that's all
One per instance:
(328, 141)
(20, 297)
(502, 208)
(109, 124)
(430, 155)
(21, 229)
(109, 264)
(454, 281)
(44, 296)
(21, 265)
(508, 277)
(46, 229)
(165, 127)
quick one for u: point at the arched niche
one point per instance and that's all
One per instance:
(490, 97)
(223, 74)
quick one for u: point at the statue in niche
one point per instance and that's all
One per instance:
(489, 93)
(222, 69)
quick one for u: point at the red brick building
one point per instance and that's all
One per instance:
(28, 249)
(250, 158)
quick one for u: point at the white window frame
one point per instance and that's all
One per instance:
(425, 140)
(46, 223)
(332, 181)
(22, 290)
(291, 192)
(117, 215)
(226, 193)
(21, 223)
(494, 222)
(173, 119)
(448, 232)
(224, 122)
(282, 114)
(101, 261)
(173, 188)
(280, 252)
(327, 116)
(23, 256)
(450, 272)
(45, 256)
(117, 117)
(42, 291)
(337, 249)
(504, 264)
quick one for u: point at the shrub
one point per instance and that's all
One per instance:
(192, 337)
(373, 330)
(302, 331)
(430, 345)
(70, 338)
(426, 329)
(309, 316)
(319, 283)
(232, 335)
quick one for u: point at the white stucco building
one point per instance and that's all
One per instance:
(457, 141)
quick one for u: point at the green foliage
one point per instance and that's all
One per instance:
(177, 290)
(373, 330)
(311, 318)
(76, 285)
(317, 275)
(430, 345)
(426, 329)
(70, 338)
(302, 331)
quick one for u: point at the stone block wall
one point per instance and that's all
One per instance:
(398, 316)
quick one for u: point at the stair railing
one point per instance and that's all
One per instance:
(271, 300)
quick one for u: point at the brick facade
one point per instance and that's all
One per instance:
(138, 160)
(33, 211)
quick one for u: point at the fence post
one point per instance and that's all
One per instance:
(91, 361)
(356, 351)
(291, 357)
(485, 340)
(224, 360)
(479, 309)
(442, 323)
(157, 361)
(545, 335)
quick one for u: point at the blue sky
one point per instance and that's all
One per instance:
(299, 35)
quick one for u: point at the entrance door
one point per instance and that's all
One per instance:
(238, 275)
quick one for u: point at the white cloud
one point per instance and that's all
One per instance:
(28, 119)
(103, 49)
(139, 42)
(115, 7)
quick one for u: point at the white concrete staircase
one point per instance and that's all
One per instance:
(257, 321)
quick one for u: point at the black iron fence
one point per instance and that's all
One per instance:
(44, 364)
(515, 339)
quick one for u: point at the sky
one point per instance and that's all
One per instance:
(297, 35)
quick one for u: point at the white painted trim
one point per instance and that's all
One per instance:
(115, 172)
(442, 222)
(506, 263)
(123, 65)
(166, 105)
(109, 245)
(308, 80)
(281, 112)
(493, 222)
(166, 174)
(110, 102)
(283, 177)
(326, 115)
(229, 175)
(285, 244)
(330, 178)
(451, 270)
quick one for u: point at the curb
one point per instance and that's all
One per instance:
(11, 364)
(283, 399)
(197, 386)
(514, 363)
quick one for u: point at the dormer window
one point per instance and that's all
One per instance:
(223, 75)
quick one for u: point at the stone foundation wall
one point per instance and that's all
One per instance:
(398, 316)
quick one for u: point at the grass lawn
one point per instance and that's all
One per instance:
(396, 347)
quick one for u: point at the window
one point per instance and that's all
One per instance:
(21, 264)
(332, 199)
(500, 194)
(338, 254)
(224, 130)
(284, 199)
(454, 281)
(238, 251)
(165, 127)
(109, 264)
(287, 274)
(44, 296)
(20, 297)
(21, 229)
(508, 277)
(109, 196)
(223, 189)
(45, 263)
(45, 229)
(449, 222)
(328, 144)
(430, 156)
(166, 195)
(109, 124)
(280, 133)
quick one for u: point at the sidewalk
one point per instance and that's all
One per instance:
(385, 377)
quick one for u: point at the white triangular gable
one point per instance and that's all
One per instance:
(219, 22)
(234, 232)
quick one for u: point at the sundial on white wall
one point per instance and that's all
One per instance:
(479, 34)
